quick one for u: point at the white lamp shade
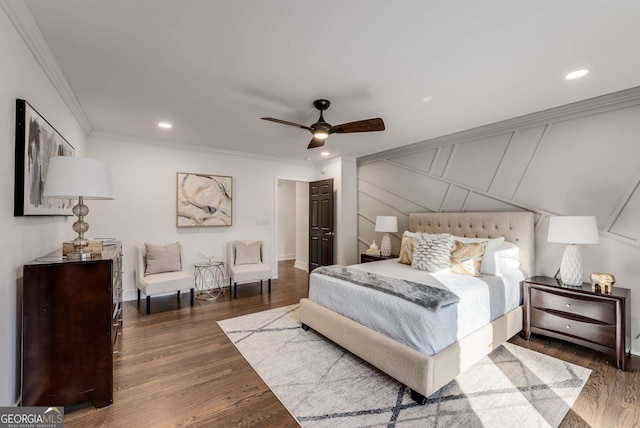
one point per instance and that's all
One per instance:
(573, 230)
(386, 223)
(69, 177)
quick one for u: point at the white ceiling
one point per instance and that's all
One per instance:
(428, 68)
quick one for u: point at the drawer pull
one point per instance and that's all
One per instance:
(568, 326)
(568, 305)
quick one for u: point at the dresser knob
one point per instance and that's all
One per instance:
(568, 305)
(568, 326)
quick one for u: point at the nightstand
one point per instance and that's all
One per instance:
(366, 258)
(579, 315)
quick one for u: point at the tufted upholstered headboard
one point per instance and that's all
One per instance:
(516, 227)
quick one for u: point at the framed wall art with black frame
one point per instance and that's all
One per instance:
(36, 142)
(203, 200)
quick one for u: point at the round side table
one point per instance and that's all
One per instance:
(209, 280)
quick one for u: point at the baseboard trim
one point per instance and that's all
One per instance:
(301, 265)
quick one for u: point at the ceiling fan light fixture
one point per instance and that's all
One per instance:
(320, 135)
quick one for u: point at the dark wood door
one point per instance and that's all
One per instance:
(321, 231)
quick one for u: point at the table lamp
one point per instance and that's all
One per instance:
(70, 177)
(386, 223)
(572, 230)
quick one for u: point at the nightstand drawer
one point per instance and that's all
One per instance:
(602, 334)
(599, 310)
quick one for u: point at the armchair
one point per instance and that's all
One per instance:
(158, 269)
(246, 264)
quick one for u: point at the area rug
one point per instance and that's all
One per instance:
(322, 385)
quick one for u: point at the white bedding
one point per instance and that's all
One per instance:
(482, 300)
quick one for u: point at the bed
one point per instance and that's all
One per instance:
(425, 371)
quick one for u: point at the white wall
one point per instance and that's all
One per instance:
(580, 159)
(24, 238)
(144, 208)
(286, 220)
(343, 172)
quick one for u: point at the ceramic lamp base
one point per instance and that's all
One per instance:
(571, 266)
(385, 245)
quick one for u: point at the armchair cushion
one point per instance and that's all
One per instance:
(166, 282)
(162, 258)
(250, 272)
(248, 252)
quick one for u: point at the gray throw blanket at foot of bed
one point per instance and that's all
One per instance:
(432, 298)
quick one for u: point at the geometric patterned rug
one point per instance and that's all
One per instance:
(322, 385)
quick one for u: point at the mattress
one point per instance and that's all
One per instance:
(482, 300)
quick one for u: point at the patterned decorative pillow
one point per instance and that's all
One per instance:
(406, 248)
(432, 254)
(466, 258)
(489, 260)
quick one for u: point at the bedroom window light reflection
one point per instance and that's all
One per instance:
(386, 223)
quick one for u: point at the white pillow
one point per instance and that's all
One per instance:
(504, 265)
(248, 252)
(506, 257)
(488, 266)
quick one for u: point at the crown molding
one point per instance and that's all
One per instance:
(26, 25)
(110, 136)
(613, 101)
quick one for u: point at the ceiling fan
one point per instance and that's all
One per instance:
(321, 129)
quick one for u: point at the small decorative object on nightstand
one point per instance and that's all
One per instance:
(579, 315)
(602, 282)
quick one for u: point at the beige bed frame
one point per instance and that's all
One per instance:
(422, 373)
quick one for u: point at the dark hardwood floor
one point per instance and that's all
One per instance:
(177, 368)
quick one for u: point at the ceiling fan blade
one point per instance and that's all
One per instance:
(284, 122)
(359, 126)
(315, 142)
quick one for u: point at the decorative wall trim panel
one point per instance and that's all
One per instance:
(579, 159)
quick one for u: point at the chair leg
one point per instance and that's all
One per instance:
(260, 286)
(269, 285)
(192, 296)
(235, 290)
(178, 294)
(148, 305)
(138, 297)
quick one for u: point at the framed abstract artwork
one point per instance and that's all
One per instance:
(36, 142)
(204, 200)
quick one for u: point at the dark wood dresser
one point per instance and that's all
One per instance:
(71, 319)
(579, 315)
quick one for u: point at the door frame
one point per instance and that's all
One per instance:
(275, 215)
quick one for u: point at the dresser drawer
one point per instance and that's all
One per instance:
(602, 334)
(599, 310)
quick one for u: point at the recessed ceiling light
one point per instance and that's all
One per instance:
(426, 99)
(325, 153)
(577, 74)
(165, 125)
